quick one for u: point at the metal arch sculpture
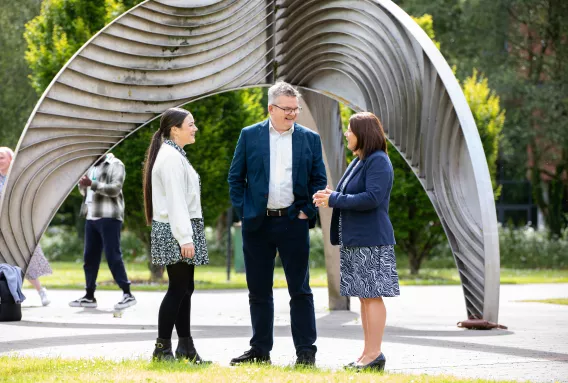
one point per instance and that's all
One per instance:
(368, 54)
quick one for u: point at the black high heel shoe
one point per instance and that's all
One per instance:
(376, 365)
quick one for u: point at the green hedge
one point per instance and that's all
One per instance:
(521, 248)
(61, 243)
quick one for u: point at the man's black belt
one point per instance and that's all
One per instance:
(277, 212)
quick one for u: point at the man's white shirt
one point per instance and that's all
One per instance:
(280, 187)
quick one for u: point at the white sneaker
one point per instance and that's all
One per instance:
(43, 295)
(126, 301)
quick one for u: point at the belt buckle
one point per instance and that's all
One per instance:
(280, 212)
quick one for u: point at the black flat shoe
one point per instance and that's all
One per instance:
(376, 365)
(251, 356)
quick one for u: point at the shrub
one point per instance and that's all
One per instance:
(317, 255)
(521, 248)
(61, 243)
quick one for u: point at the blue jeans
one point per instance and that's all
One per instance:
(104, 234)
(291, 239)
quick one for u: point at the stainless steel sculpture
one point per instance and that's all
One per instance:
(367, 54)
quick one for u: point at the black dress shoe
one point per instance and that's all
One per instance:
(306, 359)
(251, 356)
(186, 350)
(376, 365)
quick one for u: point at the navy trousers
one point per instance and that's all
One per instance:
(104, 234)
(291, 239)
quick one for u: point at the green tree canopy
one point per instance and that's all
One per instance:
(17, 98)
(520, 47)
(62, 27)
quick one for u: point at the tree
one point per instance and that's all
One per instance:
(62, 27)
(418, 230)
(538, 55)
(524, 56)
(17, 98)
(489, 118)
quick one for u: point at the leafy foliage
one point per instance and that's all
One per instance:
(17, 98)
(427, 24)
(520, 47)
(416, 225)
(489, 118)
(62, 27)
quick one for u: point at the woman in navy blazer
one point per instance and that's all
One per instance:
(360, 224)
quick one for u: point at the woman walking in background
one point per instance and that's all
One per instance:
(172, 199)
(39, 266)
(360, 224)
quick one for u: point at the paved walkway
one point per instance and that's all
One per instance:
(421, 335)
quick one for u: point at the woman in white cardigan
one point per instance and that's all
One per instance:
(172, 200)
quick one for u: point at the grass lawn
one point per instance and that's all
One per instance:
(69, 275)
(555, 301)
(16, 369)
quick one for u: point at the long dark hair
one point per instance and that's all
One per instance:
(171, 117)
(369, 132)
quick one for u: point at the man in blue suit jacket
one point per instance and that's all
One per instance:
(276, 169)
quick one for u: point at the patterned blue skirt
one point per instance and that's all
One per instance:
(368, 272)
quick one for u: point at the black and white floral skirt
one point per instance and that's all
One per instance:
(368, 272)
(165, 248)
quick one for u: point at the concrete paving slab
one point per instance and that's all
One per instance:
(421, 334)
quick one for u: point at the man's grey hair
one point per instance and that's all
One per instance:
(281, 88)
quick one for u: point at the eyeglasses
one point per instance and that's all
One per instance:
(290, 110)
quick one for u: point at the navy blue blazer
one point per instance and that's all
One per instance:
(250, 171)
(364, 204)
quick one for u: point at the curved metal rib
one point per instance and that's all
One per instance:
(367, 54)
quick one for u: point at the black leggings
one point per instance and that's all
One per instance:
(176, 306)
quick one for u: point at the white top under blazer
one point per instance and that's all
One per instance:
(175, 193)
